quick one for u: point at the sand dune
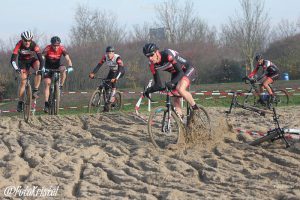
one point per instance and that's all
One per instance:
(110, 157)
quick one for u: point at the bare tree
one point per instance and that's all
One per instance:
(284, 29)
(249, 31)
(180, 23)
(140, 33)
(95, 26)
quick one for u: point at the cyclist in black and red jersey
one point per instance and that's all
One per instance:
(116, 66)
(25, 50)
(270, 74)
(53, 54)
(182, 73)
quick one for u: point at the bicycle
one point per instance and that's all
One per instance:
(252, 95)
(272, 135)
(166, 127)
(28, 102)
(100, 99)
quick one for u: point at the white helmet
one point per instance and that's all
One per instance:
(27, 35)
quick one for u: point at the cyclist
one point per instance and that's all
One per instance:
(116, 66)
(25, 50)
(182, 73)
(52, 54)
(270, 74)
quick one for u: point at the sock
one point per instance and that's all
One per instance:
(195, 107)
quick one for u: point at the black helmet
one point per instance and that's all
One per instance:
(149, 49)
(55, 40)
(258, 57)
(110, 49)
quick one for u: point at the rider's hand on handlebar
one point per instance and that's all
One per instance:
(18, 71)
(245, 78)
(92, 75)
(113, 80)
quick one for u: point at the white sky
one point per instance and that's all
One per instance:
(56, 17)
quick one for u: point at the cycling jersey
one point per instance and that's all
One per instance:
(174, 64)
(26, 55)
(115, 65)
(52, 57)
(269, 69)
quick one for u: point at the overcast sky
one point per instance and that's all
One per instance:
(56, 17)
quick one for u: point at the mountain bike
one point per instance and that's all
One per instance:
(166, 127)
(29, 103)
(100, 99)
(253, 94)
(274, 134)
(55, 93)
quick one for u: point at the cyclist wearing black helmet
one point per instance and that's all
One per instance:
(53, 54)
(116, 69)
(182, 73)
(25, 50)
(270, 74)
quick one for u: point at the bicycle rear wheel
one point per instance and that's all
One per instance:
(271, 135)
(162, 134)
(117, 104)
(96, 102)
(281, 98)
(27, 102)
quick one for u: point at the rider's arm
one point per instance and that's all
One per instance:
(69, 62)
(40, 56)
(95, 70)
(157, 81)
(121, 70)
(66, 55)
(14, 55)
(253, 72)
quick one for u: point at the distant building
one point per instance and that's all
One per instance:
(157, 34)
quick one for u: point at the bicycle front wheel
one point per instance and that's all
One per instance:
(27, 102)
(281, 98)
(96, 102)
(250, 99)
(271, 135)
(165, 130)
(56, 98)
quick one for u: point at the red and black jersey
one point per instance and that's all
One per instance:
(52, 56)
(25, 53)
(268, 68)
(172, 63)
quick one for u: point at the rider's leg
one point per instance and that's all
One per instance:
(177, 104)
(266, 85)
(181, 87)
(23, 77)
(63, 75)
(47, 82)
(37, 78)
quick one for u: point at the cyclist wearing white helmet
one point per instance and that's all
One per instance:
(25, 50)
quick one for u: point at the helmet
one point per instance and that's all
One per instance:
(110, 49)
(149, 49)
(258, 57)
(55, 40)
(27, 35)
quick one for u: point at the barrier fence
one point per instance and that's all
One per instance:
(210, 94)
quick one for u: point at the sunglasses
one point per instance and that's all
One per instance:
(150, 55)
(27, 40)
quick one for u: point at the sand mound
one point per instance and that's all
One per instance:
(111, 157)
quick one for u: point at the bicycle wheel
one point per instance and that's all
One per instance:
(201, 121)
(164, 132)
(250, 99)
(281, 98)
(56, 99)
(27, 102)
(96, 102)
(271, 135)
(117, 104)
